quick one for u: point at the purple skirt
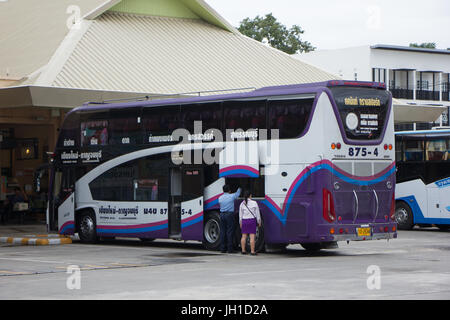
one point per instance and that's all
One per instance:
(249, 226)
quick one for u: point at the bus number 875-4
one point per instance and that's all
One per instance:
(363, 152)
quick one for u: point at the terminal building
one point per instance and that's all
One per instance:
(57, 55)
(418, 78)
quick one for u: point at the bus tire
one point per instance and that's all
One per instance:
(403, 216)
(211, 231)
(87, 228)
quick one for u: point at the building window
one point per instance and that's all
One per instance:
(423, 84)
(378, 75)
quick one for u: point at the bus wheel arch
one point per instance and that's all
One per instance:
(86, 225)
(403, 215)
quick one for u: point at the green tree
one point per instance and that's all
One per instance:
(426, 45)
(277, 34)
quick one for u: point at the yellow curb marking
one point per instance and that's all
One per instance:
(13, 272)
(65, 240)
(41, 242)
(128, 265)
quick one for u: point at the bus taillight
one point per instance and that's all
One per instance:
(392, 213)
(328, 206)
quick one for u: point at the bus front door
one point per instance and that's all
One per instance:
(64, 200)
(186, 203)
(175, 203)
(192, 204)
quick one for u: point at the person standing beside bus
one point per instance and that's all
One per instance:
(249, 218)
(226, 203)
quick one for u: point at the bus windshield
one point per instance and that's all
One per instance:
(362, 111)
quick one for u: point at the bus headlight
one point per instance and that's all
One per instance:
(389, 185)
(336, 186)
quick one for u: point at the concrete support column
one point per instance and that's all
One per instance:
(414, 85)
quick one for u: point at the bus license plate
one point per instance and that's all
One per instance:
(363, 232)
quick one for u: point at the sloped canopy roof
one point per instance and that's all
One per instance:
(409, 113)
(130, 52)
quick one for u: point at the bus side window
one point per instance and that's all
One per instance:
(124, 127)
(436, 150)
(143, 179)
(447, 154)
(94, 133)
(290, 117)
(244, 115)
(70, 132)
(160, 122)
(210, 115)
(399, 150)
(414, 150)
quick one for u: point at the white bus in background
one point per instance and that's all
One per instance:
(423, 178)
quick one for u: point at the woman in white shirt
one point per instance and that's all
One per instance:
(249, 218)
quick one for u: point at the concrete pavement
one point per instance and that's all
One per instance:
(414, 266)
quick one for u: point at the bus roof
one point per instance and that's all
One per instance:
(424, 133)
(296, 89)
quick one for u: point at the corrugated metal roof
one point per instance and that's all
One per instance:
(31, 31)
(170, 55)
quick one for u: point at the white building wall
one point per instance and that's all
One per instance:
(394, 59)
(344, 63)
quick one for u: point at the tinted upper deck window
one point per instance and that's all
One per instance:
(290, 117)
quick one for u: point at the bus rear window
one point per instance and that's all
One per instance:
(362, 111)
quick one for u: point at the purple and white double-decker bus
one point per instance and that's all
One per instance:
(318, 158)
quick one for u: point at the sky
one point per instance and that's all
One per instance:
(333, 24)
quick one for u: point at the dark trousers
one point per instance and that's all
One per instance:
(226, 231)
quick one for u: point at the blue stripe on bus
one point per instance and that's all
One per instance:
(418, 216)
(211, 204)
(191, 222)
(244, 172)
(67, 227)
(133, 230)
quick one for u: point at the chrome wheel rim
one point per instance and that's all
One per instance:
(401, 215)
(212, 231)
(87, 225)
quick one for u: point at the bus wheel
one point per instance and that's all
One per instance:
(87, 230)
(311, 247)
(211, 231)
(403, 216)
